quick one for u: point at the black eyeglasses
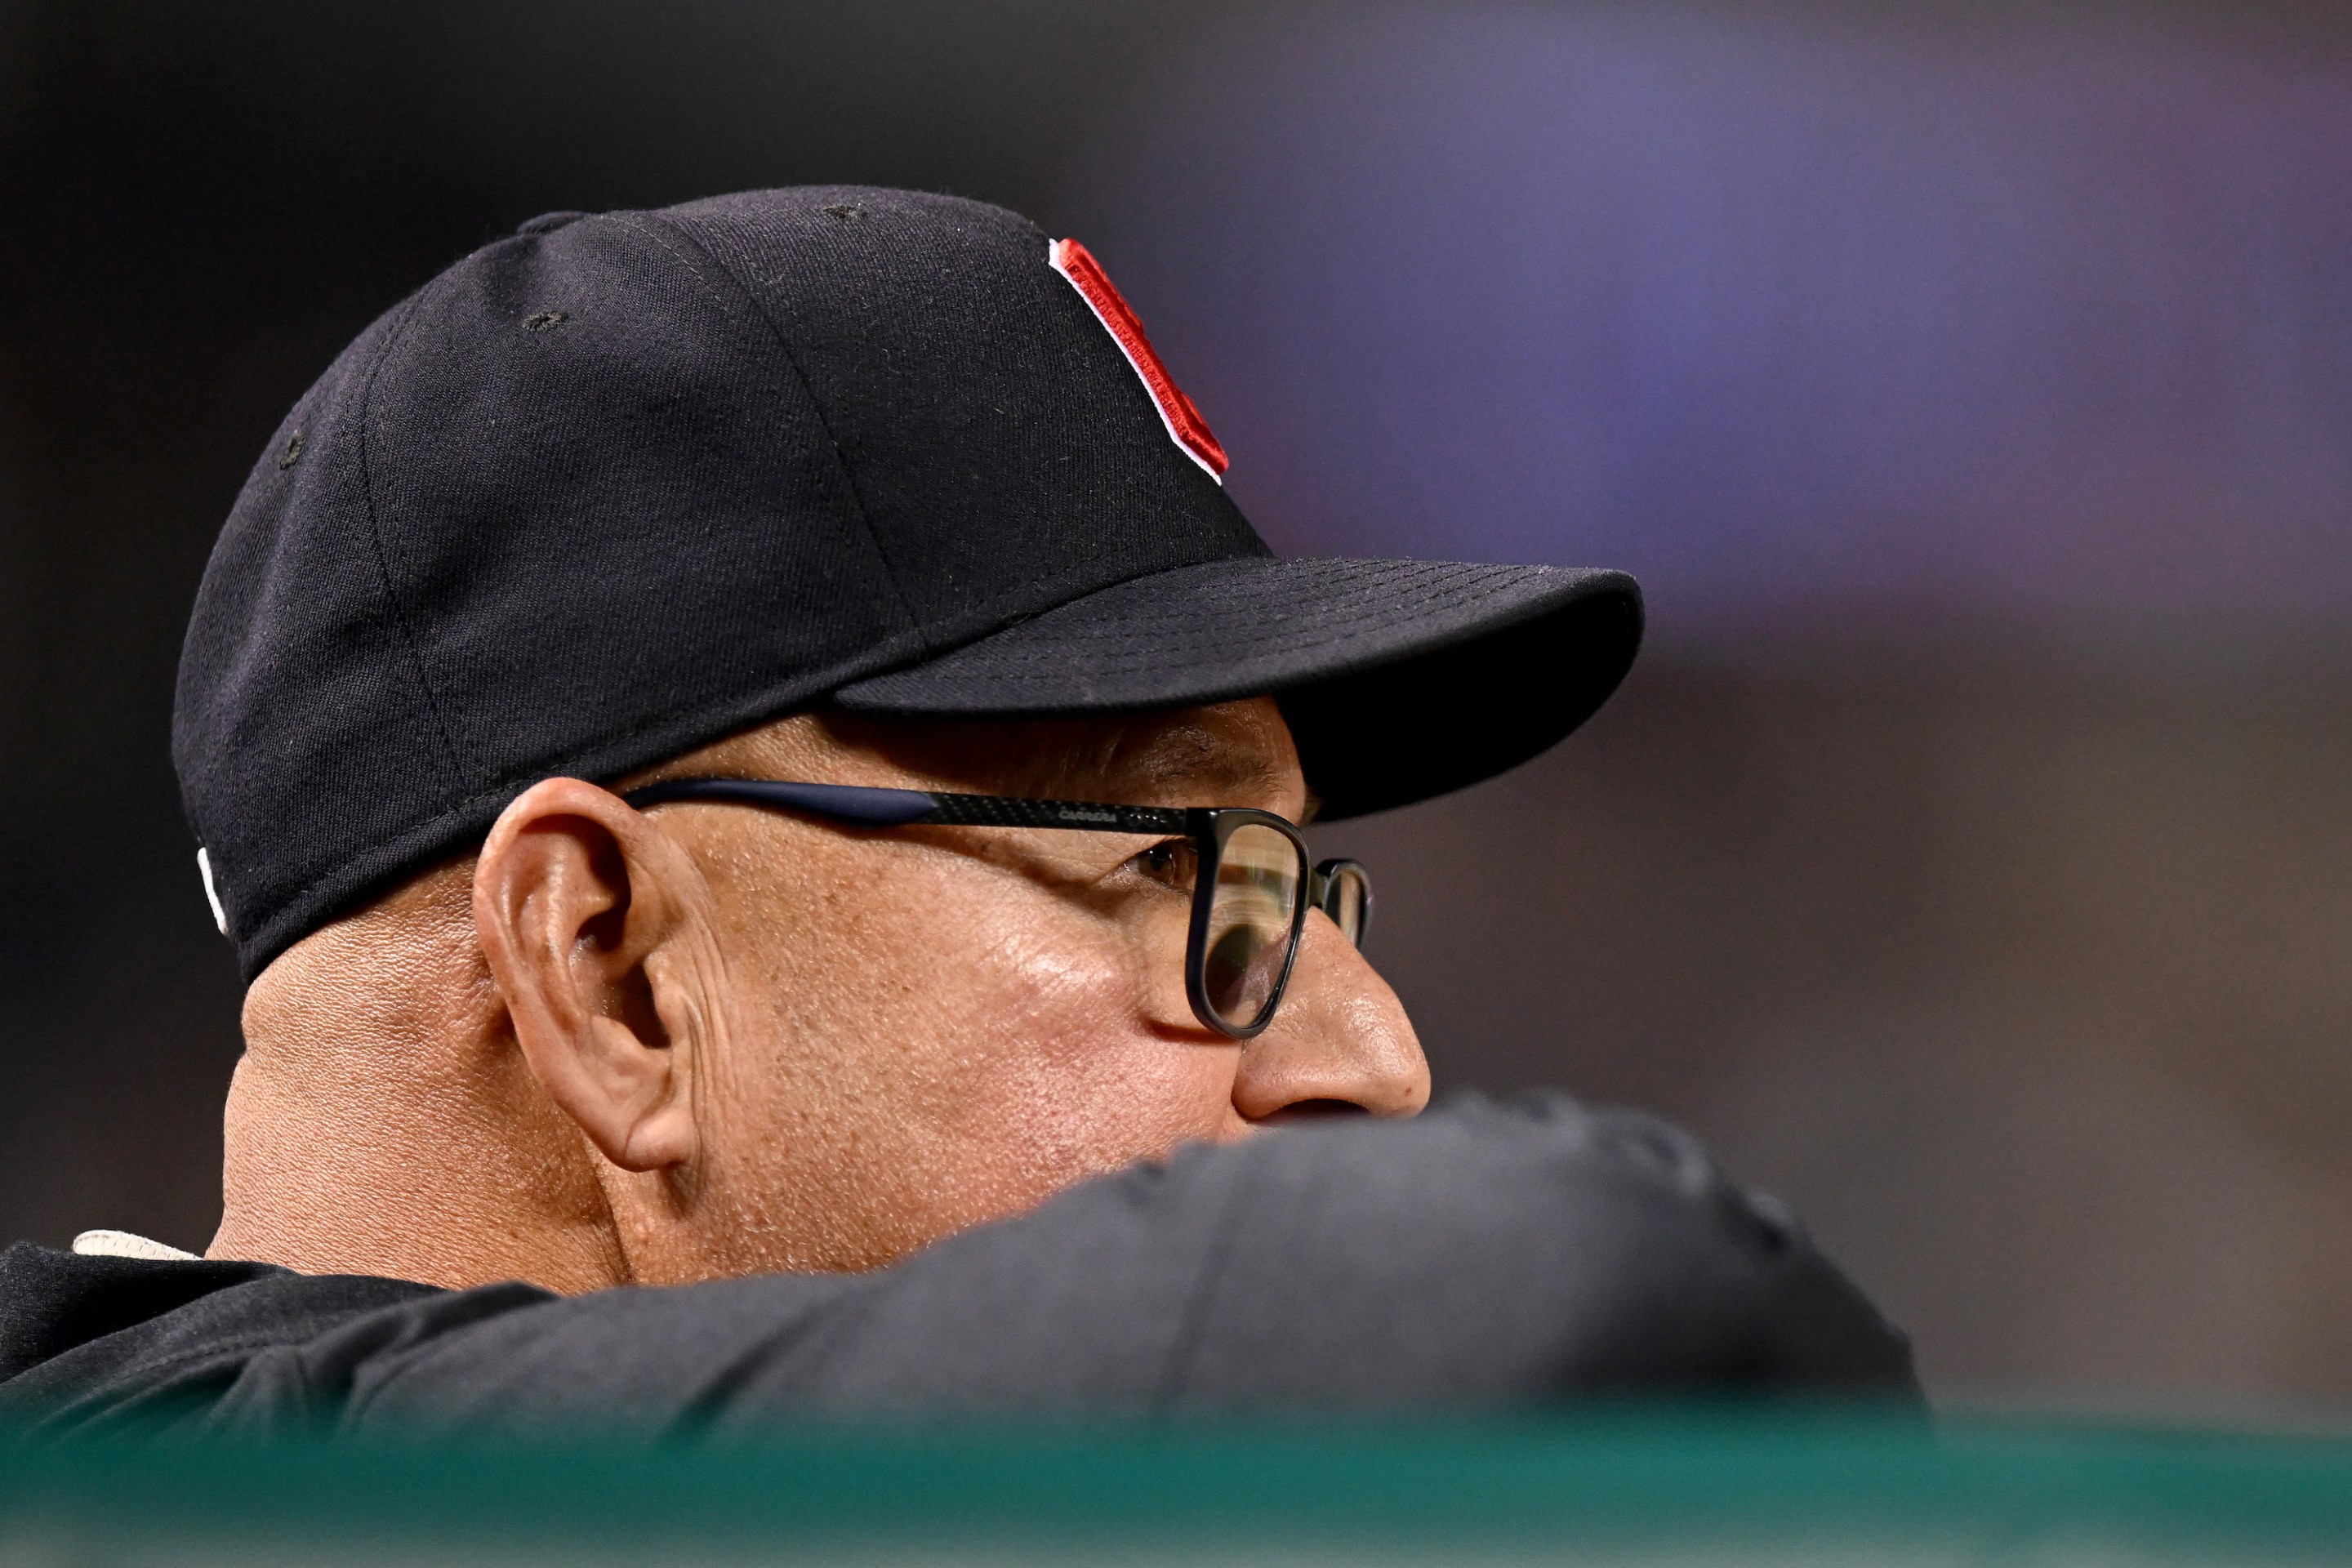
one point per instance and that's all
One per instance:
(1251, 886)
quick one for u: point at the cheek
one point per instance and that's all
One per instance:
(1030, 1038)
(915, 1047)
(1075, 1048)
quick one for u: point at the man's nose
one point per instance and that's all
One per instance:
(1340, 1042)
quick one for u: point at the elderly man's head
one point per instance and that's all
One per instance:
(701, 1040)
(525, 681)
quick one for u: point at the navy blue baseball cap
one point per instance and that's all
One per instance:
(618, 486)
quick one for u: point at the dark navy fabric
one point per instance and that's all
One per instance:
(1485, 1256)
(1400, 679)
(616, 486)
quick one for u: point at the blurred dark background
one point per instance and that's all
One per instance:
(1971, 858)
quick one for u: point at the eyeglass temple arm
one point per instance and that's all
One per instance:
(869, 806)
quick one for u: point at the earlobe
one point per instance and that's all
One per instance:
(577, 897)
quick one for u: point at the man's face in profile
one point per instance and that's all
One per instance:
(929, 1027)
(796, 1045)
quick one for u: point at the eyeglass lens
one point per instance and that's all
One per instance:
(1346, 895)
(1250, 916)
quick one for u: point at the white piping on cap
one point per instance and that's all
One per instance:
(220, 916)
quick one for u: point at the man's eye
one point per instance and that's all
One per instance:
(1171, 861)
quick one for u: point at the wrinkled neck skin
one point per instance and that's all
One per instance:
(382, 1121)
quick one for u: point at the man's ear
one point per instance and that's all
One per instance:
(573, 893)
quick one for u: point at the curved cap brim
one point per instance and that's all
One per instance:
(1402, 679)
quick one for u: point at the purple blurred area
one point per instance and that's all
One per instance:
(1774, 308)
(1969, 858)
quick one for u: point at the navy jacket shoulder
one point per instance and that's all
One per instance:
(1484, 1255)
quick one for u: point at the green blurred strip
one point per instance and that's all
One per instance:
(1693, 1485)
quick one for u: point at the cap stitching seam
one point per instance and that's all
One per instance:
(1062, 655)
(457, 807)
(800, 374)
(456, 764)
(464, 804)
(985, 619)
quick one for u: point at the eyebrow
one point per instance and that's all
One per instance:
(1186, 756)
